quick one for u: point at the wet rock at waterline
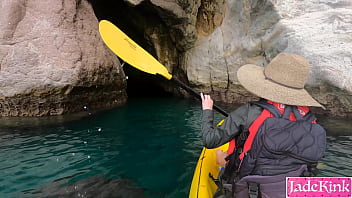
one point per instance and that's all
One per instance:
(52, 60)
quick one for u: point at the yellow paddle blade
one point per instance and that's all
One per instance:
(321, 165)
(136, 56)
(129, 51)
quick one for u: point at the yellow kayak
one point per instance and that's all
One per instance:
(202, 185)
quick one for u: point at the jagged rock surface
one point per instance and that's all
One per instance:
(201, 42)
(256, 31)
(52, 60)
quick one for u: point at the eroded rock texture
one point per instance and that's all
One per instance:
(212, 39)
(52, 60)
(255, 31)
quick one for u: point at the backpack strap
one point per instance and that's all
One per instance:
(269, 107)
(309, 117)
(287, 112)
(289, 108)
(297, 114)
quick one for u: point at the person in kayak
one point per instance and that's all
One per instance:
(280, 85)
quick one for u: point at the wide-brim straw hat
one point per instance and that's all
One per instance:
(282, 80)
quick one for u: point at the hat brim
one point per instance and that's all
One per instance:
(252, 78)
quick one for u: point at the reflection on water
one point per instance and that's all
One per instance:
(154, 143)
(147, 148)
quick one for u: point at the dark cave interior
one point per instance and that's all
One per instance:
(132, 20)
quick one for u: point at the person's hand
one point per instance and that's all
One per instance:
(207, 102)
(220, 157)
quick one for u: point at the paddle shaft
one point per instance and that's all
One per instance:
(137, 57)
(197, 95)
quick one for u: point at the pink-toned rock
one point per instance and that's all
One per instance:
(53, 61)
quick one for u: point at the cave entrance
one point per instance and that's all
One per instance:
(143, 84)
(133, 20)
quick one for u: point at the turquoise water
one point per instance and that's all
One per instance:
(147, 148)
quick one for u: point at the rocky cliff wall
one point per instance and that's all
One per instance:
(52, 60)
(214, 38)
(255, 31)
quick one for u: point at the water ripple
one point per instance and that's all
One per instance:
(153, 144)
(337, 159)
